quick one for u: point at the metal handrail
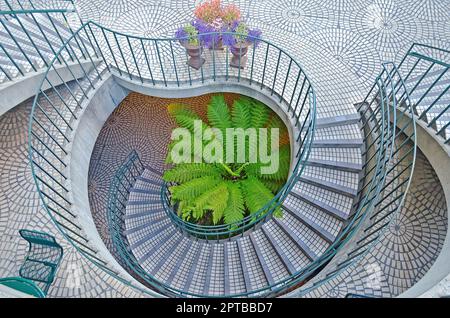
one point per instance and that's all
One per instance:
(42, 45)
(426, 59)
(371, 199)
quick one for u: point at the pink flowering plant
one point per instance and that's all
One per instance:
(209, 11)
(216, 23)
(230, 13)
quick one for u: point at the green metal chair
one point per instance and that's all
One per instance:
(22, 285)
(43, 258)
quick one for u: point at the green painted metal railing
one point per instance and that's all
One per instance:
(118, 194)
(389, 154)
(225, 231)
(36, 47)
(42, 260)
(388, 123)
(389, 126)
(428, 77)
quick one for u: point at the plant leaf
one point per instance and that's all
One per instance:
(241, 113)
(284, 160)
(273, 185)
(260, 114)
(218, 113)
(191, 189)
(235, 209)
(214, 199)
(256, 194)
(187, 171)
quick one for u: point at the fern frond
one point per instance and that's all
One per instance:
(185, 210)
(273, 185)
(241, 113)
(218, 113)
(256, 194)
(253, 169)
(235, 209)
(176, 109)
(193, 188)
(187, 171)
(215, 200)
(169, 151)
(275, 122)
(260, 114)
(284, 160)
(187, 122)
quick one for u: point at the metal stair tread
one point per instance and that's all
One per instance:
(344, 166)
(310, 223)
(135, 245)
(331, 186)
(302, 245)
(149, 252)
(337, 143)
(341, 215)
(144, 213)
(275, 244)
(337, 120)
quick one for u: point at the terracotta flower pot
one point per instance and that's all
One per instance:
(195, 55)
(239, 51)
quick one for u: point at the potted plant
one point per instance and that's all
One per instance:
(189, 38)
(212, 17)
(239, 37)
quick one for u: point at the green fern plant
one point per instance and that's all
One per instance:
(225, 193)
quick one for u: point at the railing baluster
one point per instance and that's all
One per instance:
(174, 63)
(276, 73)
(265, 65)
(253, 61)
(97, 46)
(19, 69)
(286, 80)
(121, 54)
(18, 46)
(160, 63)
(59, 35)
(146, 60)
(111, 51)
(135, 61)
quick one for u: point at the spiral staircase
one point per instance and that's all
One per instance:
(348, 183)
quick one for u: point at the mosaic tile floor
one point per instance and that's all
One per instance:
(400, 259)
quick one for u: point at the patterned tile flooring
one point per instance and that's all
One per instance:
(341, 45)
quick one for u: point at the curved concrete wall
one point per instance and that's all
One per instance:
(97, 109)
(438, 154)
